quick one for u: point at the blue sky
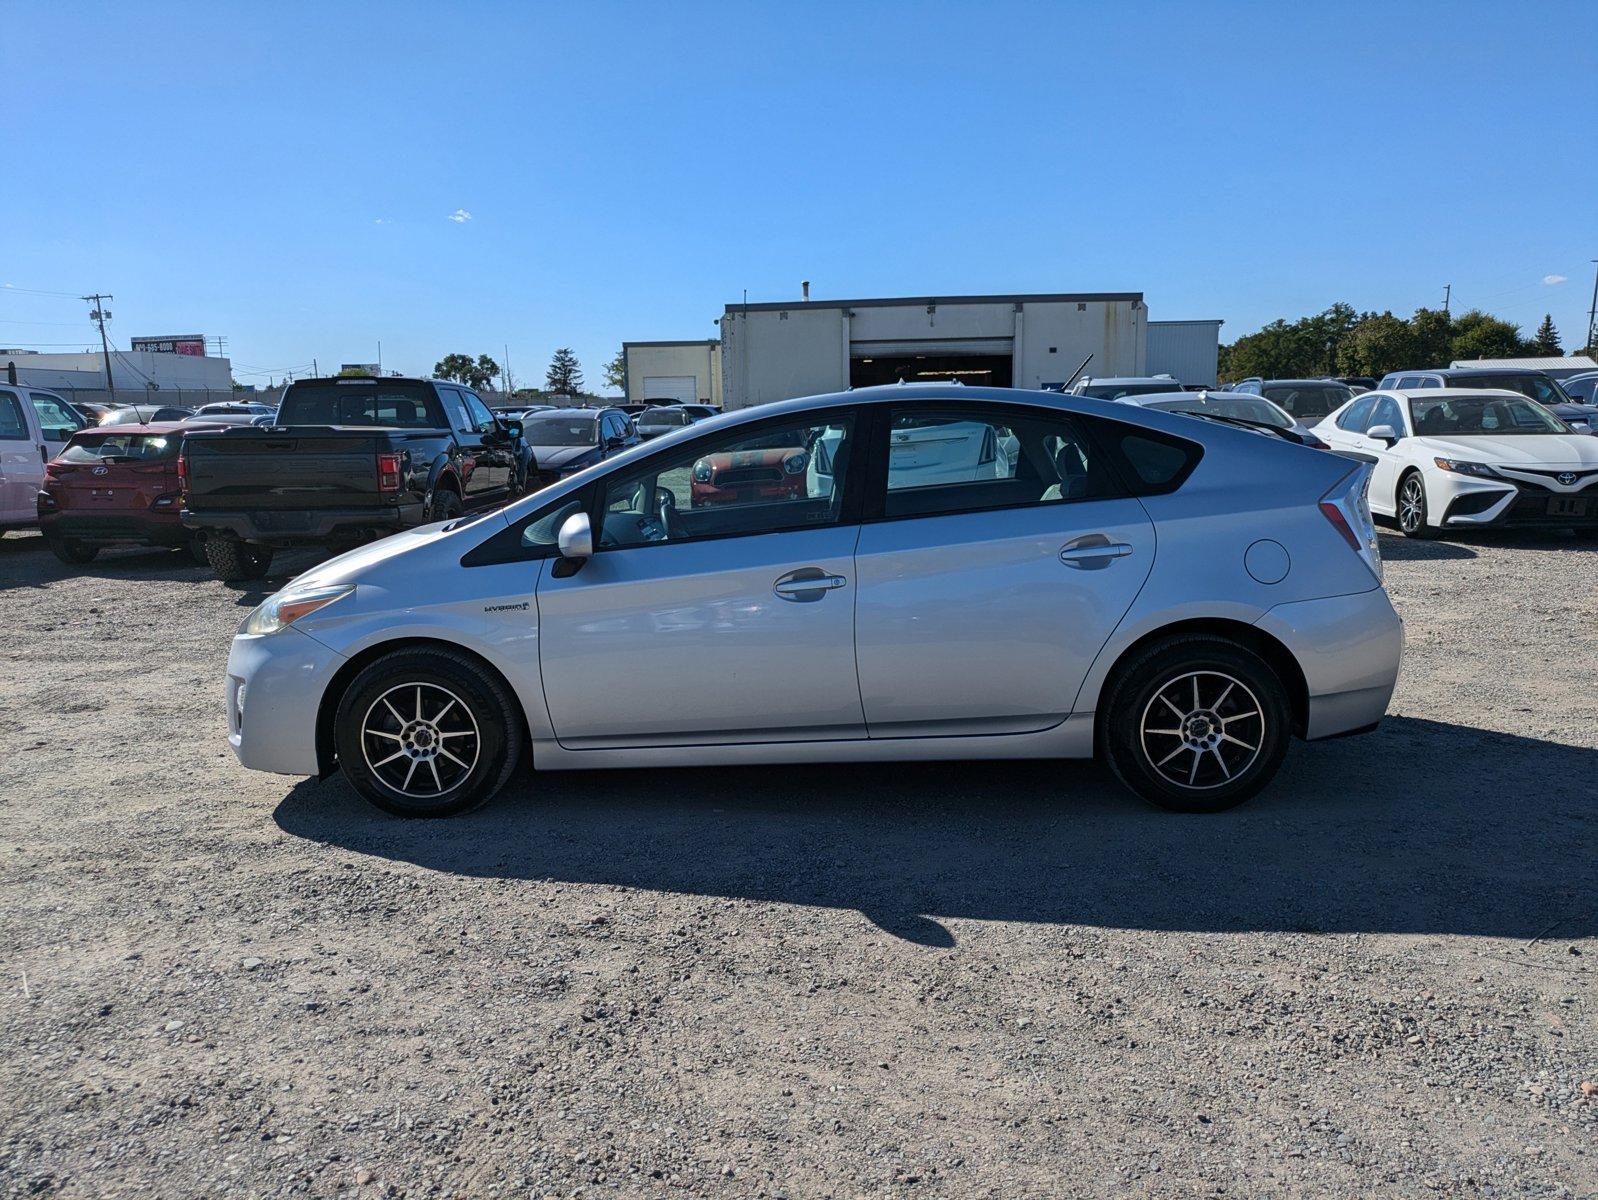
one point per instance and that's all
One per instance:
(285, 174)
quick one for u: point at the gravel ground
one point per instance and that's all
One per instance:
(976, 980)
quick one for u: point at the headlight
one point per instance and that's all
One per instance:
(281, 610)
(1481, 470)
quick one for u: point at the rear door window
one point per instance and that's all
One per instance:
(944, 459)
(13, 425)
(1357, 418)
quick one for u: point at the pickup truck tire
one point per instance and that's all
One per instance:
(70, 550)
(447, 505)
(233, 560)
(427, 733)
(195, 549)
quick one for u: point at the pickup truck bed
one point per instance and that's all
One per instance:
(235, 481)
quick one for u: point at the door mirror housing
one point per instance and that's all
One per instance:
(1382, 433)
(576, 537)
(513, 429)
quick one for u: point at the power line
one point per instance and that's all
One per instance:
(10, 287)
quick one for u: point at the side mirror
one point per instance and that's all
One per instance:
(513, 429)
(576, 538)
(1382, 433)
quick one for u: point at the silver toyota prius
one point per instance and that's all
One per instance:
(908, 572)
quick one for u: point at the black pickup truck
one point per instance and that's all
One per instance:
(349, 459)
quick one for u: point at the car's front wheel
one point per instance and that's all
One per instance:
(427, 733)
(1196, 724)
(1412, 521)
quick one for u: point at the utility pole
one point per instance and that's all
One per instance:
(98, 313)
(1448, 294)
(510, 387)
(1592, 313)
(316, 370)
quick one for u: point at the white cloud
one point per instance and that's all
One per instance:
(379, 221)
(460, 216)
(1550, 280)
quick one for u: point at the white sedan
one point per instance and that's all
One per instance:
(1465, 458)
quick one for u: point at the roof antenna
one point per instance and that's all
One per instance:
(1077, 372)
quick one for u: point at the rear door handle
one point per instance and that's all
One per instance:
(806, 584)
(1095, 548)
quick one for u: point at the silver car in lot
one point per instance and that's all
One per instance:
(1178, 597)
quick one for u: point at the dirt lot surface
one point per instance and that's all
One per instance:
(977, 980)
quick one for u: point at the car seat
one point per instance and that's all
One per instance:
(1073, 484)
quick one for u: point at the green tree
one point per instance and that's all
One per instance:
(565, 375)
(616, 372)
(462, 368)
(1378, 343)
(1478, 335)
(1546, 339)
(1433, 334)
(350, 372)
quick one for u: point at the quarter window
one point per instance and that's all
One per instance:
(780, 478)
(950, 460)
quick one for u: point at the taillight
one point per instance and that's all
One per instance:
(1340, 523)
(388, 471)
(1347, 508)
(183, 469)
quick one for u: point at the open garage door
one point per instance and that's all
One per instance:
(980, 362)
(684, 388)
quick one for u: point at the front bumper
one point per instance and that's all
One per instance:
(1349, 648)
(298, 527)
(275, 685)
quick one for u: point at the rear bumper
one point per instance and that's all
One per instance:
(275, 685)
(297, 527)
(155, 530)
(1349, 648)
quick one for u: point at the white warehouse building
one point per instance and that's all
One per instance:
(689, 372)
(805, 347)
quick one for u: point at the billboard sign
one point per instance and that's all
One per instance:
(191, 344)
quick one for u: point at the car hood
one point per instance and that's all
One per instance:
(555, 457)
(367, 562)
(1534, 450)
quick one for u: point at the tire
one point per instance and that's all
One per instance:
(1410, 508)
(70, 550)
(195, 549)
(1240, 698)
(463, 705)
(447, 505)
(232, 560)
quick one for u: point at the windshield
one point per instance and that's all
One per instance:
(129, 447)
(561, 431)
(1308, 401)
(1538, 387)
(1261, 412)
(1114, 391)
(384, 404)
(1497, 416)
(664, 416)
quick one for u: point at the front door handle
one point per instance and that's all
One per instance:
(1091, 550)
(806, 584)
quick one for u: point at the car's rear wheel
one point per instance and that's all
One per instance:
(232, 560)
(1412, 522)
(71, 550)
(447, 505)
(427, 733)
(1196, 724)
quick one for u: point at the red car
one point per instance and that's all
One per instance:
(752, 474)
(115, 484)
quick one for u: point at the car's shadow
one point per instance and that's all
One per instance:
(1397, 548)
(1422, 827)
